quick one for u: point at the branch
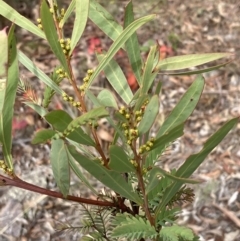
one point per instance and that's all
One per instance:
(17, 182)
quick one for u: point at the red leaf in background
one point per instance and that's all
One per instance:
(58, 106)
(121, 53)
(165, 51)
(18, 124)
(94, 45)
(132, 80)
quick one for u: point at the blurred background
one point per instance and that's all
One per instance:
(181, 27)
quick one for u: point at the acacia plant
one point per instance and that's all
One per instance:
(141, 198)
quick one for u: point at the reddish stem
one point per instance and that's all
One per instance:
(17, 182)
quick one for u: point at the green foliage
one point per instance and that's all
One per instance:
(52, 35)
(149, 116)
(117, 79)
(133, 228)
(59, 158)
(176, 233)
(8, 89)
(119, 160)
(110, 178)
(49, 92)
(132, 45)
(140, 197)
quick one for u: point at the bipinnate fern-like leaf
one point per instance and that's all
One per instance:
(93, 236)
(168, 215)
(133, 228)
(97, 222)
(176, 233)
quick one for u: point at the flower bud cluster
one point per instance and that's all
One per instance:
(73, 127)
(86, 80)
(147, 146)
(65, 44)
(70, 100)
(130, 126)
(138, 115)
(5, 169)
(93, 124)
(132, 121)
(134, 162)
(61, 73)
(54, 11)
(39, 21)
(144, 171)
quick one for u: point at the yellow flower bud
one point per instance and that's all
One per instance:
(139, 118)
(127, 116)
(148, 148)
(90, 72)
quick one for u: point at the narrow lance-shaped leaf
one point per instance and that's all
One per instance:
(168, 137)
(180, 113)
(195, 160)
(11, 14)
(81, 16)
(107, 98)
(111, 179)
(8, 89)
(91, 115)
(158, 88)
(176, 178)
(161, 143)
(120, 41)
(81, 175)
(59, 158)
(43, 136)
(3, 66)
(185, 106)
(79, 136)
(119, 160)
(4, 55)
(139, 100)
(104, 20)
(97, 103)
(200, 71)
(51, 34)
(60, 120)
(37, 108)
(149, 116)
(67, 14)
(117, 79)
(148, 75)
(188, 61)
(25, 61)
(132, 44)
